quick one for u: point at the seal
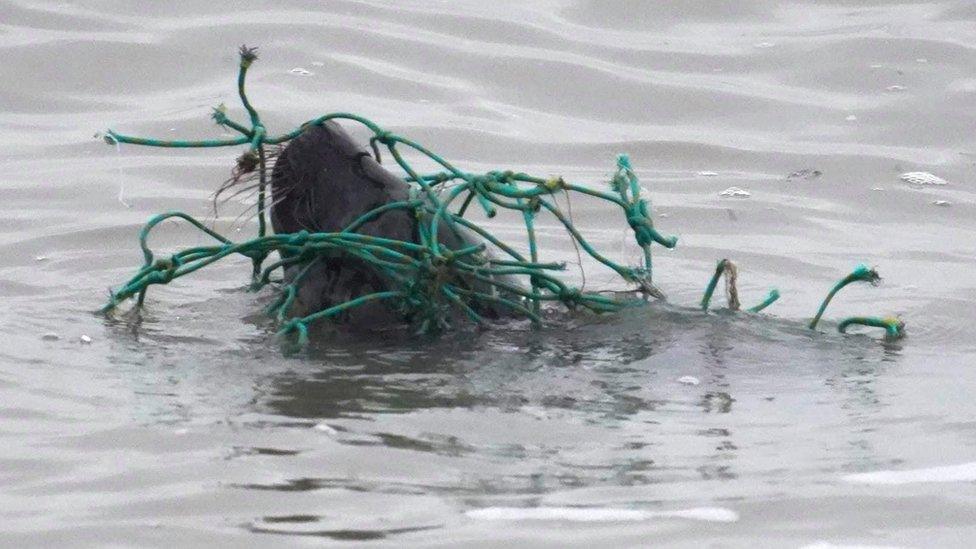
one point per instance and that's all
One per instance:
(324, 180)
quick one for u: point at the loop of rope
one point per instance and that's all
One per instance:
(295, 325)
(894, 327)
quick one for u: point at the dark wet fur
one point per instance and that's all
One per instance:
(323, 181)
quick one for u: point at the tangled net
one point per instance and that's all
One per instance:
(423, 274)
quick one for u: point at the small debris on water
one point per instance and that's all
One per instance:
(50, 336)
(764, 45)
(922, 178)
(300, 71)
(597, 514)
(806, 173)
(943, 203)
(707, 174)
(85, 339)
(735, 192)
(851, 118)
(326, 428)
(896, 88)
(877, 188)
(41, 258)
(689, 380)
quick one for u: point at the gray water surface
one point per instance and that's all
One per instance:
(192, 427)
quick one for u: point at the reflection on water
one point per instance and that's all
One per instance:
(522, 417)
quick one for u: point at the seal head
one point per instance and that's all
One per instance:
(322, 182)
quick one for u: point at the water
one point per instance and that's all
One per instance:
(193, 428)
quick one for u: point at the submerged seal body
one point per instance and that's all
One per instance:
(322, 182)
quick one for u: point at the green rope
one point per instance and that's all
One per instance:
(726, 267)
(427, 281)
(423, 275)
(771, 298)
(894, 328)
(861, 273)
(712, 283)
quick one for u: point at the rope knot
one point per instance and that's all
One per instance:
(644, 231)
(442, 262)
(165, 271)
(571, 296)
(384, 137)
(298, 239)
(638, 220)
(554, 183)
(506, 176)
